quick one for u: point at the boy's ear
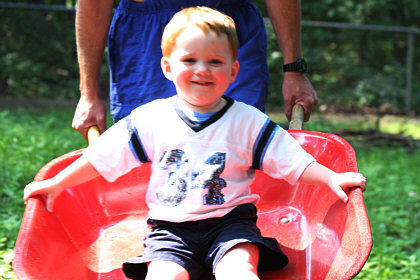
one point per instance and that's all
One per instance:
(166, 68)
(235, 70)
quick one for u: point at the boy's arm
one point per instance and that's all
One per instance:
(317, 174)
(77, 173)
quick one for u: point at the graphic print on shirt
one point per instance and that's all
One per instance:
(208, 176)
(175, 189)
(204, 176)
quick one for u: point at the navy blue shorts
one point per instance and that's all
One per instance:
(134, 52)
(199, 245)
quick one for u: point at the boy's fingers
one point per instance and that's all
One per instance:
(359, 181)
(363, 184)
(338, 190)
(355, 180)
(351, 180)
(37, 188)
(50, 203)
(26, 193)
(29, 191)
(51, 197)
(342, 195)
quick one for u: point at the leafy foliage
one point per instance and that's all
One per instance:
(354, 68)
(347, 67)
(37, 57)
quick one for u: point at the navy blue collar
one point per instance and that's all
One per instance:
(196, 127)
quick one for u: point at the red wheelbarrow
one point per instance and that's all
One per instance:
(98, 225)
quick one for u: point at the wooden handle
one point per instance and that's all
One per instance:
(93, 134)
(298, 114)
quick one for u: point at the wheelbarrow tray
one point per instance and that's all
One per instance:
(96, 226)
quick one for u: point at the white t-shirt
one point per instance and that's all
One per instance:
(199, 171)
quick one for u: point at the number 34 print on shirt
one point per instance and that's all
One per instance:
(204, 176)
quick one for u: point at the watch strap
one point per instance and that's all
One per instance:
(297, 66)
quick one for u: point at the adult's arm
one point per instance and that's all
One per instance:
(285, 16)
(93, 18)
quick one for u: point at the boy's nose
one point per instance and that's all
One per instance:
(201, 68)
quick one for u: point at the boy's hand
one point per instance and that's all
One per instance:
(80, 171)
(342, 181)
(317, 174)
(47, 188)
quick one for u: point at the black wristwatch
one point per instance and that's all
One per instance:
(297, 66)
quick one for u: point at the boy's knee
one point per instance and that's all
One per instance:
(240, 262)
(160, 270)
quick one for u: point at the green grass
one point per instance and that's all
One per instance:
(393, 205)
(336, 122)
(31, 138)
(29, 141)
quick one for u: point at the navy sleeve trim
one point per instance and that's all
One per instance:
(135, 142)
(262, 142)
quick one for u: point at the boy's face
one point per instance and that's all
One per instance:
(201, 67)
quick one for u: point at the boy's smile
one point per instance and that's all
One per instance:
(201, 67)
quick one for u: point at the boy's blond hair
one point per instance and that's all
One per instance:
(207, 20)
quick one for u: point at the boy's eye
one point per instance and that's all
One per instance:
(189, 60)
(216, 61)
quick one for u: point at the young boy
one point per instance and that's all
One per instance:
(204, 148)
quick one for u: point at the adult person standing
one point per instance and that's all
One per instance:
(133, 35)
